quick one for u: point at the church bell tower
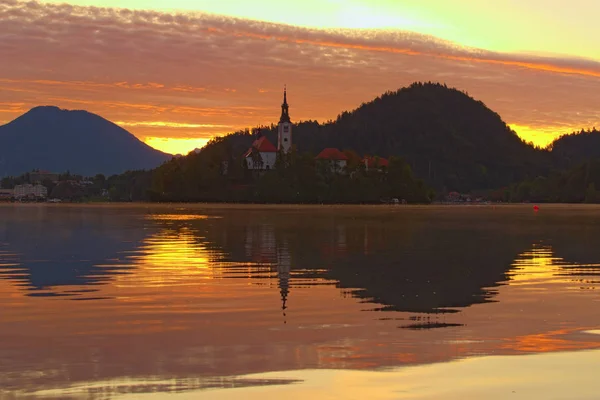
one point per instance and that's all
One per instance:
(284, 130)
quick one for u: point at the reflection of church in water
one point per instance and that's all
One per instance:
(262, 247)
(270, 250)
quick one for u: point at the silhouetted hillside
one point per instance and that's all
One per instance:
(577, 147)
(451, 140)
(59, 140)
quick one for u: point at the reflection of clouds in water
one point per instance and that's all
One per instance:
(551, 341)
(178, 217)
(170, 257)
(534, 265)
(181, 257)
(118, 387)
(541, 265)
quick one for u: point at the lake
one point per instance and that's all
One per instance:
(255, 302)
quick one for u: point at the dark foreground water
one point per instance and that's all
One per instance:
(287, 302)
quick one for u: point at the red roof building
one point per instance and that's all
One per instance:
(332, 154)
(375, 162)
(262, 155)
(263, 145)
(334, 158)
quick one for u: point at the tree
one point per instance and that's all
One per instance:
(591, 195)
(256, 158)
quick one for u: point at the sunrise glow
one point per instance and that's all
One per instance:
(203, 68)
(540, 137)
(176, 145)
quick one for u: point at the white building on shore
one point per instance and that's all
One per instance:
(29, 190)
(262, 155)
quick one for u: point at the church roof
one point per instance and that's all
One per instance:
(263, 145)
(331, 153)
(372, 162)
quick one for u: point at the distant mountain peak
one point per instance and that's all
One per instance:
(48, 110)
(55, 110)
(58, 140)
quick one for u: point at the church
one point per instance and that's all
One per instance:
(263, 154)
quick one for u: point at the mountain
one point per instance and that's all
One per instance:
(451, 140)
(59, 140)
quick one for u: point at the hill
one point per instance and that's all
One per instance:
(575, 148)
(450, 140)
(78, 141)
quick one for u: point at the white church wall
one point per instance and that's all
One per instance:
(268, 161)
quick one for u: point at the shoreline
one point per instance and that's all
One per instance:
(219, 205)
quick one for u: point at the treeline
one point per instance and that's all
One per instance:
(580, 184)
(216, 174)
(129, 186)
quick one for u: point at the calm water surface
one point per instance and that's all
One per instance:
(226, 302)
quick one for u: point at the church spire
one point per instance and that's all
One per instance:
(285, 116)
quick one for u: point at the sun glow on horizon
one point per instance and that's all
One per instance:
(176, 145)
(540, 137)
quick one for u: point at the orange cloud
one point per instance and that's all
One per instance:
(205, 70)
(541, 65)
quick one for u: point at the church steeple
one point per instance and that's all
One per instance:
(285, 116)
(284, 130)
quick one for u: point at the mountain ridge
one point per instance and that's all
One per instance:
(59, 140)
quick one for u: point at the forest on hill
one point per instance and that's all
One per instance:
(296, 178)
(450, 140)
(438, 139)
(442, 138)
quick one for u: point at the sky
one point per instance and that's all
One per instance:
(177, 72)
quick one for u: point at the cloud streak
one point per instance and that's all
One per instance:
(199, 71)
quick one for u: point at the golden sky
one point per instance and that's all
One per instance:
(177, 72)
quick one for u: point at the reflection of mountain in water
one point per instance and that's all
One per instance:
(55, 251)
(428, 262)
(408, 264)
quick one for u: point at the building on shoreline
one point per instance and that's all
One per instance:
(262, 155)
(6, 194)
(30, 191)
